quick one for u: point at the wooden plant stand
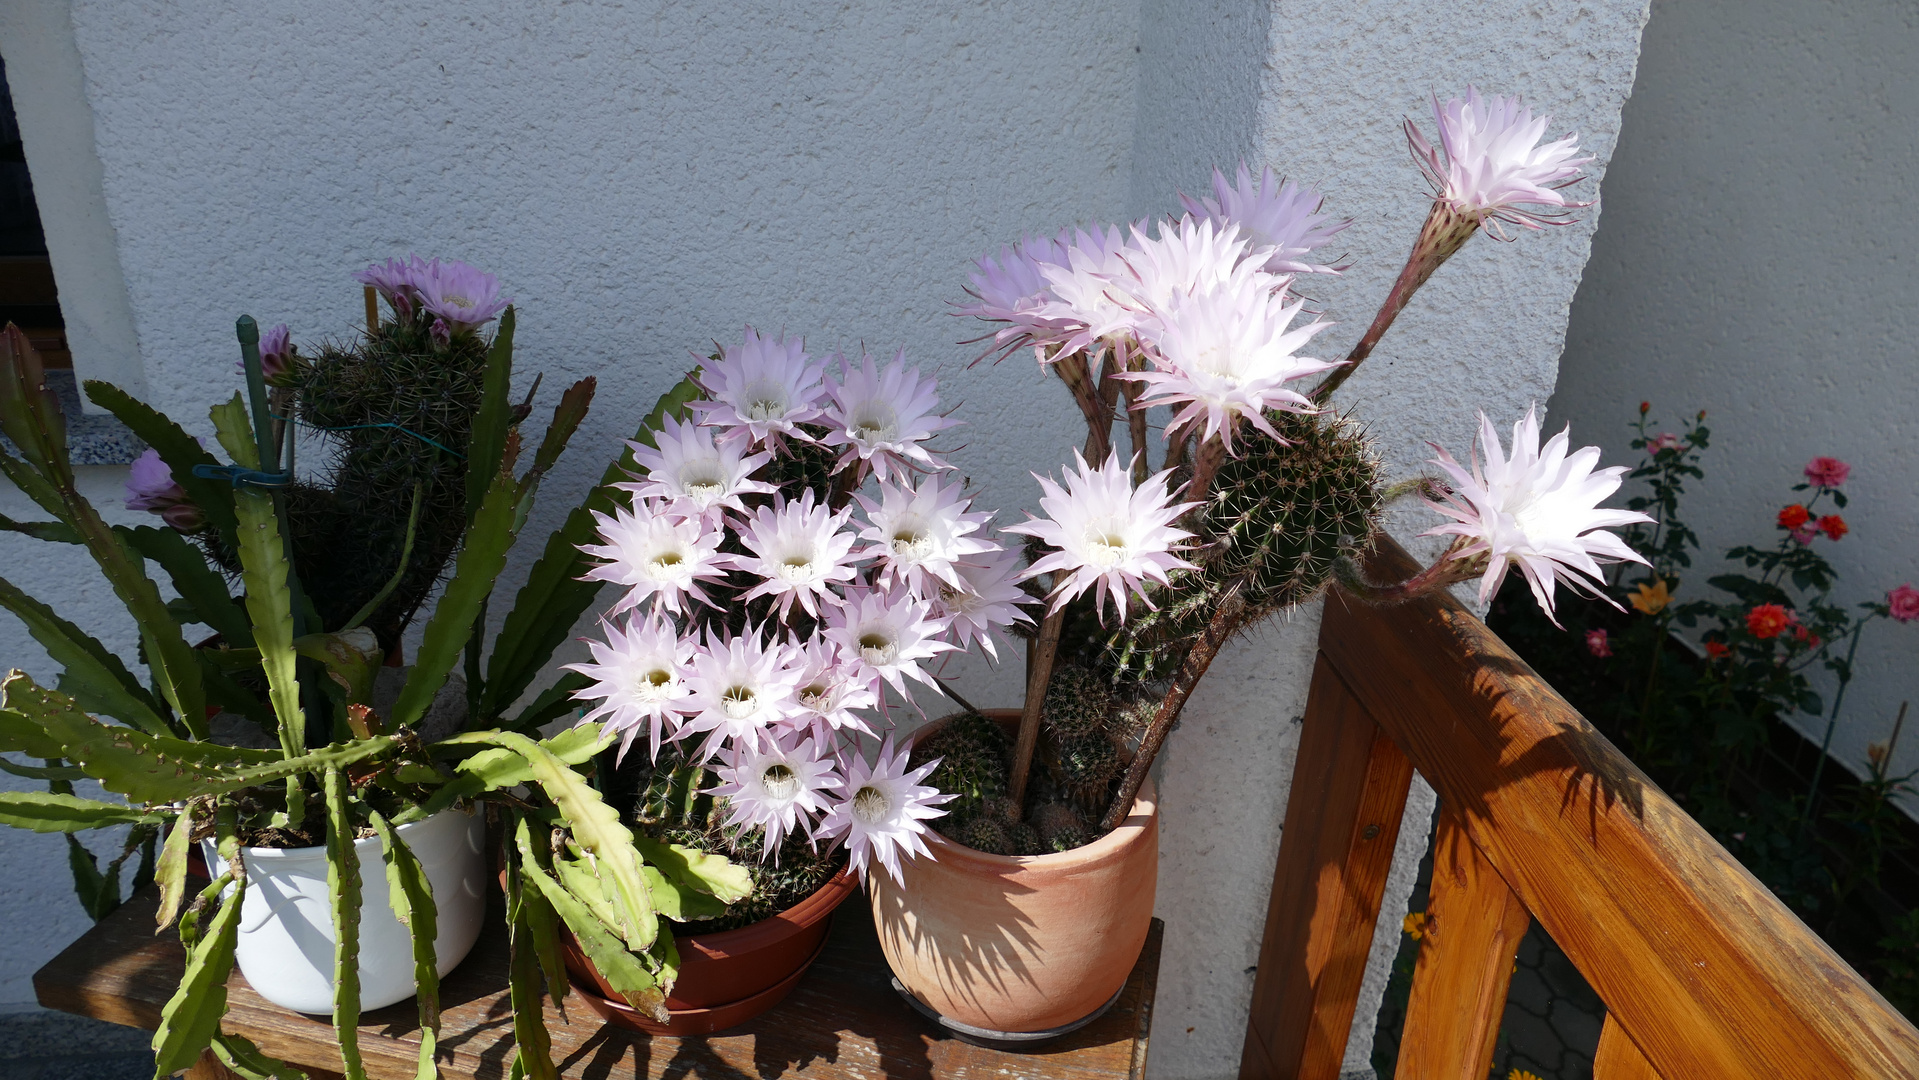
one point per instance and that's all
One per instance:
(842, 1021)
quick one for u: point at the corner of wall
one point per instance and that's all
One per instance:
(56, 124)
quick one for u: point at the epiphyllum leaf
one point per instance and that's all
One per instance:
(1536, 508)
(1492, 163)
(1281, 215)
(883, 809)
(1105, 534)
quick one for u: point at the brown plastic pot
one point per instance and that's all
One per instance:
(729, 977)
(1017, 944)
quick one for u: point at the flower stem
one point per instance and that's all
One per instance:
(1832, 723)
(1039, 675)
(1228, 618)
(1446, 231)
(1212, 453)
(1077, 375)
(1446, 570)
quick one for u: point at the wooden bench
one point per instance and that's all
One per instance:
(842, 1021)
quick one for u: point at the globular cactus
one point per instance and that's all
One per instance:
(1025, 840)
(1283, 512)
(972, 752)
(1078, 701)
(986, 833)
(1280, 515)
(1060, 827)
(807, 464)
(1086, 766)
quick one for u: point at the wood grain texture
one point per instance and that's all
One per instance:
(1334, 854)
(1618, 1058)
(1712, 974)
(842, 1021)
(1473, 927)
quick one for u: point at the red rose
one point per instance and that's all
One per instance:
(1833, 526)
(1794, 516)
(1767, 621)
(1717, 650)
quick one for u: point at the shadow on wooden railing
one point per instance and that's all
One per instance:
(1703, 972)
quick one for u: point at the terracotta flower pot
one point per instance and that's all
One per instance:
(1021, 943)
(729, 977)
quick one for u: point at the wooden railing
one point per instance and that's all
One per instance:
(1703, 972)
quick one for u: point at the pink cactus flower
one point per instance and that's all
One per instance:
(151, 487)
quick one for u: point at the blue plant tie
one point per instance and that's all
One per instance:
(243, 477)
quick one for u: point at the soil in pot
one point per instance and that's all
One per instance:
(1014, 943)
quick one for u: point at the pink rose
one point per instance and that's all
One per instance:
(1597, 644)
(1827, 472)
(1904, 603)
(1665, 440)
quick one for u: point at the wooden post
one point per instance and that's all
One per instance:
(1473, 927)
(1342, 822)
(1618, 1058)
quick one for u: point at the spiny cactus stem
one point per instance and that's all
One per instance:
(1231, 614)
(1446, 231)
(1042, 655)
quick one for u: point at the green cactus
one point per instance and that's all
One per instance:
(1025, 839)
(1282, 513)
(988, 834)
(1285, 511)
(972, 752)
(1085, 766)
(1078, 701)
(1060, 827)
(379, 401)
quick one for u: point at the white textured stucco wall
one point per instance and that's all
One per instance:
(1334, 80)
(1757, 261)
(643, 177)
(647, 177)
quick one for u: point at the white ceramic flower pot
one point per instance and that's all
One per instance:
(286, 926)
